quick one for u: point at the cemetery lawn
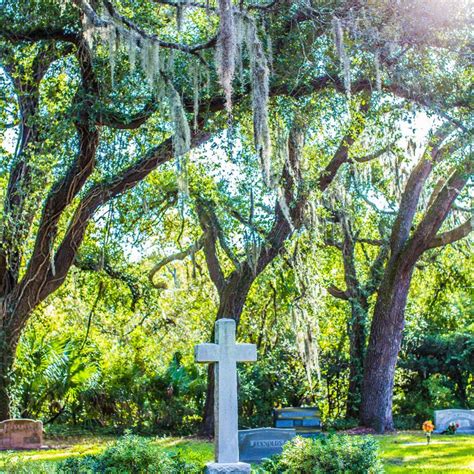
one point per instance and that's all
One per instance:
(408, 453)
(405, 452)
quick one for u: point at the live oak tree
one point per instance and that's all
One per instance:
(235, 271)
(78, 98)
(263, 247)
(410, 237)
(357, 293)
(411, 217)
(47, 184)
(343, 233)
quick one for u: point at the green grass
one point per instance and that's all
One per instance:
(43, 461)
(405, 452)
(409, 453)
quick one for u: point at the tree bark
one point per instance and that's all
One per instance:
(207, 426)
(382, 353)
(357, 331)
(357, 294)
(8, 343)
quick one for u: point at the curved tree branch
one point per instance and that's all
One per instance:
(413, 188)
(374, 155)
(122, 121)
(341, 155)
(27, 293)
(40, 34)
(210, 244)
(436, 214)
(95, 266)
(452, 235)
(98, 195)
(338, 293)
(192, 249)
(195, 49)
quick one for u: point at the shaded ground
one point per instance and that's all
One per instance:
(402, 453)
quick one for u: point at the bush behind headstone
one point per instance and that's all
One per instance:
(334, 454)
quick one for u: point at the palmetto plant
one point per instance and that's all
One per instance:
(53, 372)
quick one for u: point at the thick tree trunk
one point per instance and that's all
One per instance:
(8, 345)
(4, 397)
(357, 329)
(207, 425)
(382, 351)
(231, 303)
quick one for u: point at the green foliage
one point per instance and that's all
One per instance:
(90, 386)
(51, 372)
(129, 455)
(340, 424)
(435, 373)
(165, 401)
(12, 463)
(273, 381)
(334, 454)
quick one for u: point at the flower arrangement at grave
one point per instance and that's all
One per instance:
(452, 428)
(428, 428)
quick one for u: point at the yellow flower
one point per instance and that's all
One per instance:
(428, 426)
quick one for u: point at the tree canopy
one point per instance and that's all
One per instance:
(269, 161)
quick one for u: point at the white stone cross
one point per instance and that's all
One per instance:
(226, 353)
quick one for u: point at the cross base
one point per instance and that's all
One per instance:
(228, 468)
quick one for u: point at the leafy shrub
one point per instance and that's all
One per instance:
(50, 370)
(335, 454)
(274, 380)
(129, 455)
(340, 424)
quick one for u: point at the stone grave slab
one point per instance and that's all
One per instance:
(260, 443)
(465, 419)
(305, 420)
(21, 434)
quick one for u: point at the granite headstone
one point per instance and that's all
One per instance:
(464, 418)
(305, 420)
(260, 443)
(21, 434)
